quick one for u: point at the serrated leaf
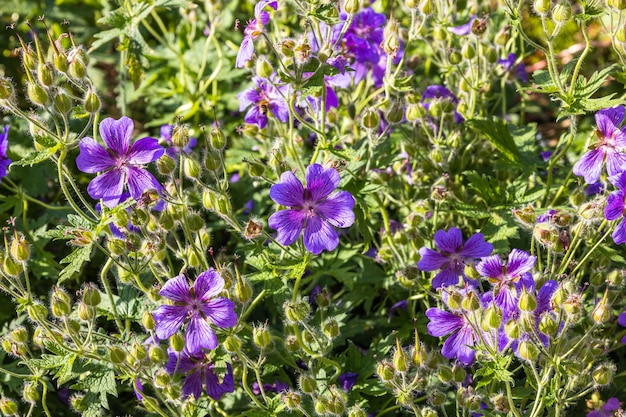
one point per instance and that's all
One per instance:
(75, 260)
(100, 381)
(497, 131)
(36, 157)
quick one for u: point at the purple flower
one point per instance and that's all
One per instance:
(120, 162)
(615, 206)
(364, 36)
(172, 150)
(595, 188)
(313, 208)
(4, 160)
(607, 410)
(611, 142)
(453, 255)
(462, 337)
(196, 306)
(463, 29)
(277, 387)
(347, 380)
(519, 70)
(199, 371)
(507, 280)
(262, 99)
(253, 30)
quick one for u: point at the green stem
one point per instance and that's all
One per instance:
(107, 289)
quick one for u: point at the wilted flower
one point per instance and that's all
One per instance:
(122, 163)
(453, 255)
(4, 160)
(198, 370)
(262, 99)
(313, 208)
(611, 142)
(253, 30)
(197, 306)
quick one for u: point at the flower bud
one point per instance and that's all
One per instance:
(37, 94)
(573, 305)
(426, 7)
(61, 63)
(177, 342)
(60, 303)
(356, 411)
(213, 160)
(603, 374)
(616, 4)
(62, 101)
(527, 301)
(491, 55)
(370, 119)
(191, 168)
(561, 12)
(263, 68)
(548, 325)
(602, 311)
(261, 336)
(243, 290)
(19, 335)
(8, 406)
(385, 371)
(307, 383)
(91, 295)
(77, 69)
(292, 400)
(180, 136)
(232, 343)
(156, 354)
(20, 249)
(296, 312)
(255, 167)
(337, 401)
(454, 300)
(44, 74)
(470, 301)
(321, 406)
(444, 373)
(351, 6)
(291, 343)
(86, 312)
(217, 139)
(162, 379)
(395, 114)
(92, 103)
(542, 7)
(468, 51)
(331, 328)
(166, 165)
(37, 312)
(117, 355)
(527, 350)
(436, 398)
(138, 351)
(458, 373)
(7, 91)
(11, 267)
(512, 330)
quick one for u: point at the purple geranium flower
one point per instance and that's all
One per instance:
(608, 409)
(196, 306)
(615, 207)
(453, 255)
(313, 208)
(611, 142)
(347, 380)
(434, 93)
(253, 30)
(463, 29)
(4, 160)
(462, 338)
(507, 280)
(262, 99)
(121, 162)
(364, 36)
(519, 70)
(199, 371)
(621, 319)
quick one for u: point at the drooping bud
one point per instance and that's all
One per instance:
(92, 103)
(263, 67)
(166, 165)
(445, 374)
(602, 311)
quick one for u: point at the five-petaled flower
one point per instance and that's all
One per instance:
(262, 99)
(120, 162)
(253, 30)
(313, 208)
(4, 160)
(453, 255)
(196, 306)
(198, 370)
(609, 148)
(616, 206)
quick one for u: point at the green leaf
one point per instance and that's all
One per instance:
(497, 131)
(75, 260)
(100, 381)
(36, 157)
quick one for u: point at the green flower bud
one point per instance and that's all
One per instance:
(60, 303)
(307, 383)
(616, 4)
(195, 222)
(444, 373)
(37, 94)
(166, 165)
(37, 312)
(356, 411)
(561, 12)
(542, 6)
(286, 48)
(615, 278)
(455, 57)
(470, 301)
(62, 102)
(527, 301)
(213, 160)
(261, 336)
(7, 92)
(151, 404)
(296, 312)
(500, 403)
(527, 350)
(395, 114)
(512, 330)
(11, 267)
(468, 51)
(162, 379)
(232, 343)
(573, 305)
(191, 168)
(491, 54)
(8, 406)
(217, 139)
(91, 295)
(117, 355)
(370, 119)
(426, 7)
(454, 300)
(385, 371)
(138, 351)
(7, 345)
(193, 258)
(61, 63)
(548, 325)
(44, 74)
(20, 249)
(337, 401)
(77, 70)
(292, 400)
(86, 312)
(525, 216)
(351, 6)
(603, 374)
(428, 412)
(321, 406)
(157, 355)
(436, 398)
(440, 34)
(458, 373)
(602, 311)
(255, 167)
(19, 335)
(177, 342)
(263, 68)
(291, 343)
(331, 328)
(92, 103)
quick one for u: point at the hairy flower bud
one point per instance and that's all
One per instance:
(7, 92)
(470, 301)
(261, 336)
(8, 406)
(548, 325)
(307, 383)
(19, 335)
(527, 301)
(542, 7)
(44, 74)
(91, 295)
(292, 400)
(602, 311)
(60, 303)
(117, 355)
(370, 119)
(191, 168)
(527, 350)
(37, 312)
(92, 103)
(217, 138)
(263, 67)
(296, 312)
(86, 312)
(385, 371)
(561, 12)
(37, 94)
(603, 374)
(20, 249)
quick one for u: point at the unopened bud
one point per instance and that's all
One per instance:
(296, 312)
(217, 138)
(117, 355)
(445, 374)
(62, 102)
(8, 406)
(470, 301)
(370, 119)
(263, 68)
(156, 354)
(527, 301)
(548, 325)
(307, 383)
(37, 94)
(213, 160)
(91, 295)
(44, 74)
(18, 335)
(261, 336)
(512, 330)
(542, 6)
(60, 303)
(11, 267)
(166, 165)
(385, 371)
(92, 102)
(603, 374)
(37, 312)
(561, 12)
(426, 7)
(6, 89)
(20, 249)
(61, 63)
(527, 350)
(602, 311)
(468, 51)
(292, 400)
(256, 168)
(191, 168)
(232, 343)
(30, 393)
(86, 312)
(351, 6)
